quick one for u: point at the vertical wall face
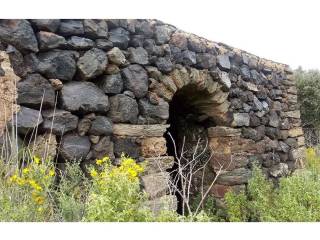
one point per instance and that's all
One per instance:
(115, 80)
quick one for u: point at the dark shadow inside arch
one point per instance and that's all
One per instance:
(187, 127)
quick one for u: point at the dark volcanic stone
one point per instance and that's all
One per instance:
(50, 25)
(223, 62)
(49, 40)
(95, 28)
(18, 33)
(206, 60)
(127, 146)
(71, 27)
(58, 64)
(111, 84)
(273, 133)
(104, 44)
(83, 97)
(245, 72)
(16, 61)
(80, 43)
(74, 147)
(92, 63)
(188, 58)
(123, 109)
(144, 28)
(164, 64)
(136, 80)
(160, 111)
(28, 119)
(101, 126)
(59, 121)
(35, 89)
(103, 148)
(119, 38)
(138, 55)
(162, 34)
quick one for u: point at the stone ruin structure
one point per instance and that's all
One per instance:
(105, 87)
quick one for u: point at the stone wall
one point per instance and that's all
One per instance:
(104, 87)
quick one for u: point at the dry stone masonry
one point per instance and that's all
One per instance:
(107, 87)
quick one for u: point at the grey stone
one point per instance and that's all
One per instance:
(138, 55)
(92, 63)
(95, 28)
(241, 119)
(162, 34)
(223, 62)
(160, 111)
(279, 170)
(34, 90)
(103, 148)
(71, 27)
(164, 64)
(27, 119)
(123, 109)
(273, 133)
(284, 147)
(143, 27)
(50, 25)
(18, 33)
(101, 126)
(83, 97)
(136, 80)
(58, 121)
(224, 79)
(74, 147)
(129, 94)
(188, 58)
(259, 106)
(126, 145)
(104, 44)
(80, 43)
(58, 64)
(250, 133)
(49, 40)
(16, 61)
(206, 60)
(245, 72)
(111, 84)
(234, 177)
(274, 120)
(116, 56)
(84, 126)
(119, 38)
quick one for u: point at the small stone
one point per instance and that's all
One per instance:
(259, 106)
(50, 25)
(279, 170)
(234, 177)
(127, 146)
(164, 64)
(104, 148)
(123, 109)
(112, 69)
(224, 80)
(49, 40)
(241, 119)
(27, 119)
(18, 33)
(101, 126)
(206, 60)
(188, 58)
(95, 28)
(92, 63)
(83, 126)
(136, 80)
(34, 91)
(94, 139)
(138, 55)
(245, 72)
(71, 27)
(223, 62)
(80, 43)
(119, 38)
(160, 111)
(111, 84)
(58, 121)
(74, 147)
(295, 132)
(129, 94)
(179, 40)
(104, 44)
(162, 34)
(116, 56)
(56, 84)
(83, 97)
(274, 120)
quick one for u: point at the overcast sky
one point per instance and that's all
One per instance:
(287, 31)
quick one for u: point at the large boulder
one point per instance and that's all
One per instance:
(50, 25)
(58, 64)
(138, 55)
(71, 27)
(123, 109)
(111, 84)
(116, 56)
(34, 90)
(119, 38)
(58, 121)
(80, 43)
(27, 120)
(83, 97)
(159, 111)
(101, 126)
(92, 63)
(49, 40)
(136, 80)
(95, 28)
(18, 33)
(74, 147)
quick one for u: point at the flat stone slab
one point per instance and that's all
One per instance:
(223, 132)
(155, 185)
(155, 130)
(158, 164)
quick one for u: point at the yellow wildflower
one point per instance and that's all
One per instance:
(105, 159)
(93, 173)
(35, 185)
(13, 178)
(36, 159)
(40, 209)
(51, 173)
(39, 200)
(99, 162)
(25, 171)
(20, 181)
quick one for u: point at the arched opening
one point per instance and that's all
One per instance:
(187, 140)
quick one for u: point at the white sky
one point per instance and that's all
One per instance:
(286, 31)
